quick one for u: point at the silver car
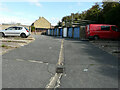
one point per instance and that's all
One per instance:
(15, 31)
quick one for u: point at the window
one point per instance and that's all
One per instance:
(115, 29)
(18, 28)
(105, 28)
(10, 28)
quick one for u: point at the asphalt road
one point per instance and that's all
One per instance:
(32, 66)
(87, 66)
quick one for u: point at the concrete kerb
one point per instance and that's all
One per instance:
(9, 40)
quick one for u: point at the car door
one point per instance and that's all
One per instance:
(9, 31)
(115, 32)
(17, 31)
(106, 32)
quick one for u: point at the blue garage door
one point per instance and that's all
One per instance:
(52, 32)
(57, 32)
(60, 31)
(76, 32)
(70, 32)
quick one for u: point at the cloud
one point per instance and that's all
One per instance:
(79, 4)
(38, 4)
(24, 20)
(0, 4)
(14, 19)
(35, 2)
(3, 8)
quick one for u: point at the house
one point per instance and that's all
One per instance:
(41, 24)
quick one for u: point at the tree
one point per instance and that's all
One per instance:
(94, 13)
(107, 13)
(111, 12)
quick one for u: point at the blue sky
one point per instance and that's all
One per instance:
(28, 12)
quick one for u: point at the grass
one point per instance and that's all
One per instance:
(9, 41)
(6, 47)
(92, 64)
(3, 45)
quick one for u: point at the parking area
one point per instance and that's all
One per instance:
(85, 65)
(10, 43)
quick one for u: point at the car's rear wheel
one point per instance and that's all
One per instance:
(23, 35)
(96, 37)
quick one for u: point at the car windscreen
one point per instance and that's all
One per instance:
(115, 29)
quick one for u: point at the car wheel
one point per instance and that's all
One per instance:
(96, 37)
(3, 35)
(118, 39)
(90, 39)
(26, 36)
(23, 35)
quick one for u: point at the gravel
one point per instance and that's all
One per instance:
(112, 47)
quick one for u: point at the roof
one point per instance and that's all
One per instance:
(38, 19)
(45, 19)
(101, 24)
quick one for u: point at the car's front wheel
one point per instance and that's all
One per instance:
(2, 34)
(23, 35)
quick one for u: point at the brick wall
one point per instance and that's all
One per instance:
(42, 23)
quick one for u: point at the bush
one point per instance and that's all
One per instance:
(32, 28)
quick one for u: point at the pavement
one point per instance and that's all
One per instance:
(33, 65)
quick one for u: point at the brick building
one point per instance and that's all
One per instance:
(41, 24)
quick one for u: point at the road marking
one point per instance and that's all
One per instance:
(55, 80)
(33, 61)
(61, 55)
(19, 60)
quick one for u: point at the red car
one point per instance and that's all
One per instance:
(102, 31)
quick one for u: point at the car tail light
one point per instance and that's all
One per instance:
(27, 30)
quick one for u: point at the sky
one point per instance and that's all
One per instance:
(27, 12)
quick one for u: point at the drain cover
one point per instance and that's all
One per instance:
(59, 70)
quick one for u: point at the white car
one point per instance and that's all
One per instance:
(15, 31)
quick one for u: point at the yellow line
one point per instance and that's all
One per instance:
(57, 76)
(61, 55)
